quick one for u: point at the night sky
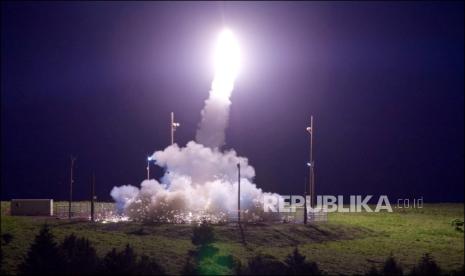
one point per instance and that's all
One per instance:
(384, 81)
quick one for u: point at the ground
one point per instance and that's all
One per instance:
(349, 243)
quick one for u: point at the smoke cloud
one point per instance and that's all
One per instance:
(215, 114)
(199, 183)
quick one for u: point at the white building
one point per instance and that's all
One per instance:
(31, 207)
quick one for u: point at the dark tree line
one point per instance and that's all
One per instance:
(425, 266)
(77, 256)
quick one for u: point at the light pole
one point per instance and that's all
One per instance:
(71, 180)
(239, 193)
(148, 167)
(173, 127)
(311, 165)
(93, 198)
(305, 201)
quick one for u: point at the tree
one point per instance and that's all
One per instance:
(373, 272)
(458, 272)
(6, 239)
(265, 265)
(297, 265)
(148, 266)
(80, 256)
(123, 262)
(126, 263)
(189, 268)
(426, 266)
(391, 267)
(43, 256)
(1, 262)
(203, 234)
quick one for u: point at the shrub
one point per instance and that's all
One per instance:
(426, 266)
(215, 265)
(1, 262)
(457, 224)
(6, 238)
(297, 265)
(43, 256)
(205, 251)
(123, 262)
(204, 259)
(227, 261)
(80, 257)
(391, 267)
(238, 268)
(203, 234)
(148, 266)
(373, 272)
(461, 271)
(265, 265)
(190, 267)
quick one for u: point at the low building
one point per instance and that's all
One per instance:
(31, 207)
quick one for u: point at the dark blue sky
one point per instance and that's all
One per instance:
(385, 82)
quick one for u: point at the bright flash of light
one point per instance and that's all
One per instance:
(227, 62)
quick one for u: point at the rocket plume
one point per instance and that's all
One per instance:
(211, 131)
(215, 114)
(200, 180)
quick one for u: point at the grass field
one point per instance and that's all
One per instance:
(349, 243)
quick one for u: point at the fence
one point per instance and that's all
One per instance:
(105, 210)
(82, 209)
(297, 217)
(320, 215)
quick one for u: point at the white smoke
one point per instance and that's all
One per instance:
(201, 180)
(215, 114)
(199, 183)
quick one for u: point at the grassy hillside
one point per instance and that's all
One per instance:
(348, 243)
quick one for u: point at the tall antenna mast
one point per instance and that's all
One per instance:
(239, 193)
(311, 165)
(312, 162)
